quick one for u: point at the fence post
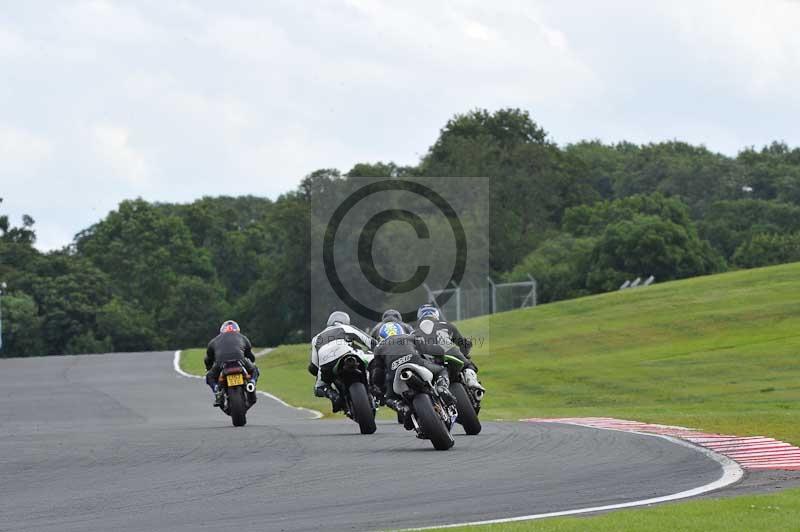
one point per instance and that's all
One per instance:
(534, 290)
(494, 295)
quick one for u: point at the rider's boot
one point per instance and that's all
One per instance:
(471, 380)
(403, 412)
(219, 396)
(337, 401)
(442, 386)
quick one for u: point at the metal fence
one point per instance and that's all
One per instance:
(470, 300)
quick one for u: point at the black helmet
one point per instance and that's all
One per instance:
(392, 315)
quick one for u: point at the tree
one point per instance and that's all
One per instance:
(560, 266)
(380, 169)
(691, 173)
(68, 292)
(532, 181)
(192, 312)
(129, 327)
(729, 224)
(21, 327)
(144, 251)
(592, 220)
(768, 249)
(648, 245)
(17, 235)
(771, 173)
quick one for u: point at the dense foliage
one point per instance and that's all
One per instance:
(580, 218)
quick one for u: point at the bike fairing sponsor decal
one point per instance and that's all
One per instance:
(402, 360)
(330, 352)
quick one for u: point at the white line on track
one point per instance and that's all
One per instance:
(176, 365)
(731, 473)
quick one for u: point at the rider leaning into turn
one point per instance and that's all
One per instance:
(397, 348)
(338, 333)
(390, 316)
(437, 337)
(228, 346)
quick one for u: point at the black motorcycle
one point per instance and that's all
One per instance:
(431, 416)
(240, 392)
(468, 400)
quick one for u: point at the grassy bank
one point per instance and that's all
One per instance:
(720, 353)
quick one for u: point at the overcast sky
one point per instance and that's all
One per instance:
(171, 100)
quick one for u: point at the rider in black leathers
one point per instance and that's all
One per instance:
(437, 338)
(390, 316)
(396, 346)
(229, 345)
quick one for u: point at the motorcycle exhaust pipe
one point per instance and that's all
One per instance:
(251, 387)
(479, 395)
(406, 374)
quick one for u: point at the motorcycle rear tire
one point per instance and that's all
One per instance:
(362, 412)
(237, 406)
(467, 416)
(431, 424)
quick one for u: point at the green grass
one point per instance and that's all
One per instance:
(777, 511)
(721, 353)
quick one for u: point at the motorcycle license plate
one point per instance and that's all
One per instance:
(236, 379)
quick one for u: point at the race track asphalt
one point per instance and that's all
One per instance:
(121, 442)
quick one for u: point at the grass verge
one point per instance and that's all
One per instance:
(778, 511)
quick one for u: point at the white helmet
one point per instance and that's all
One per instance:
(339, 317)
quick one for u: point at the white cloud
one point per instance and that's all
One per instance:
(113, 147)
(102, 101)
(21, 152)
(12, 45)
(757, 40)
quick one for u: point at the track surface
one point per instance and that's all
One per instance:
(120, 442)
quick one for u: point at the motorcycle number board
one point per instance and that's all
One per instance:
(236, 379)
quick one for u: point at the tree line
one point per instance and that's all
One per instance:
(580, 218)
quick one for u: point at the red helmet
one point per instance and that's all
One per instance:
(229, 326)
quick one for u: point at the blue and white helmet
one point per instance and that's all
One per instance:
(390, 329)
(428, 311)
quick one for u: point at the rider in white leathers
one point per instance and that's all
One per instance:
(326, 348)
